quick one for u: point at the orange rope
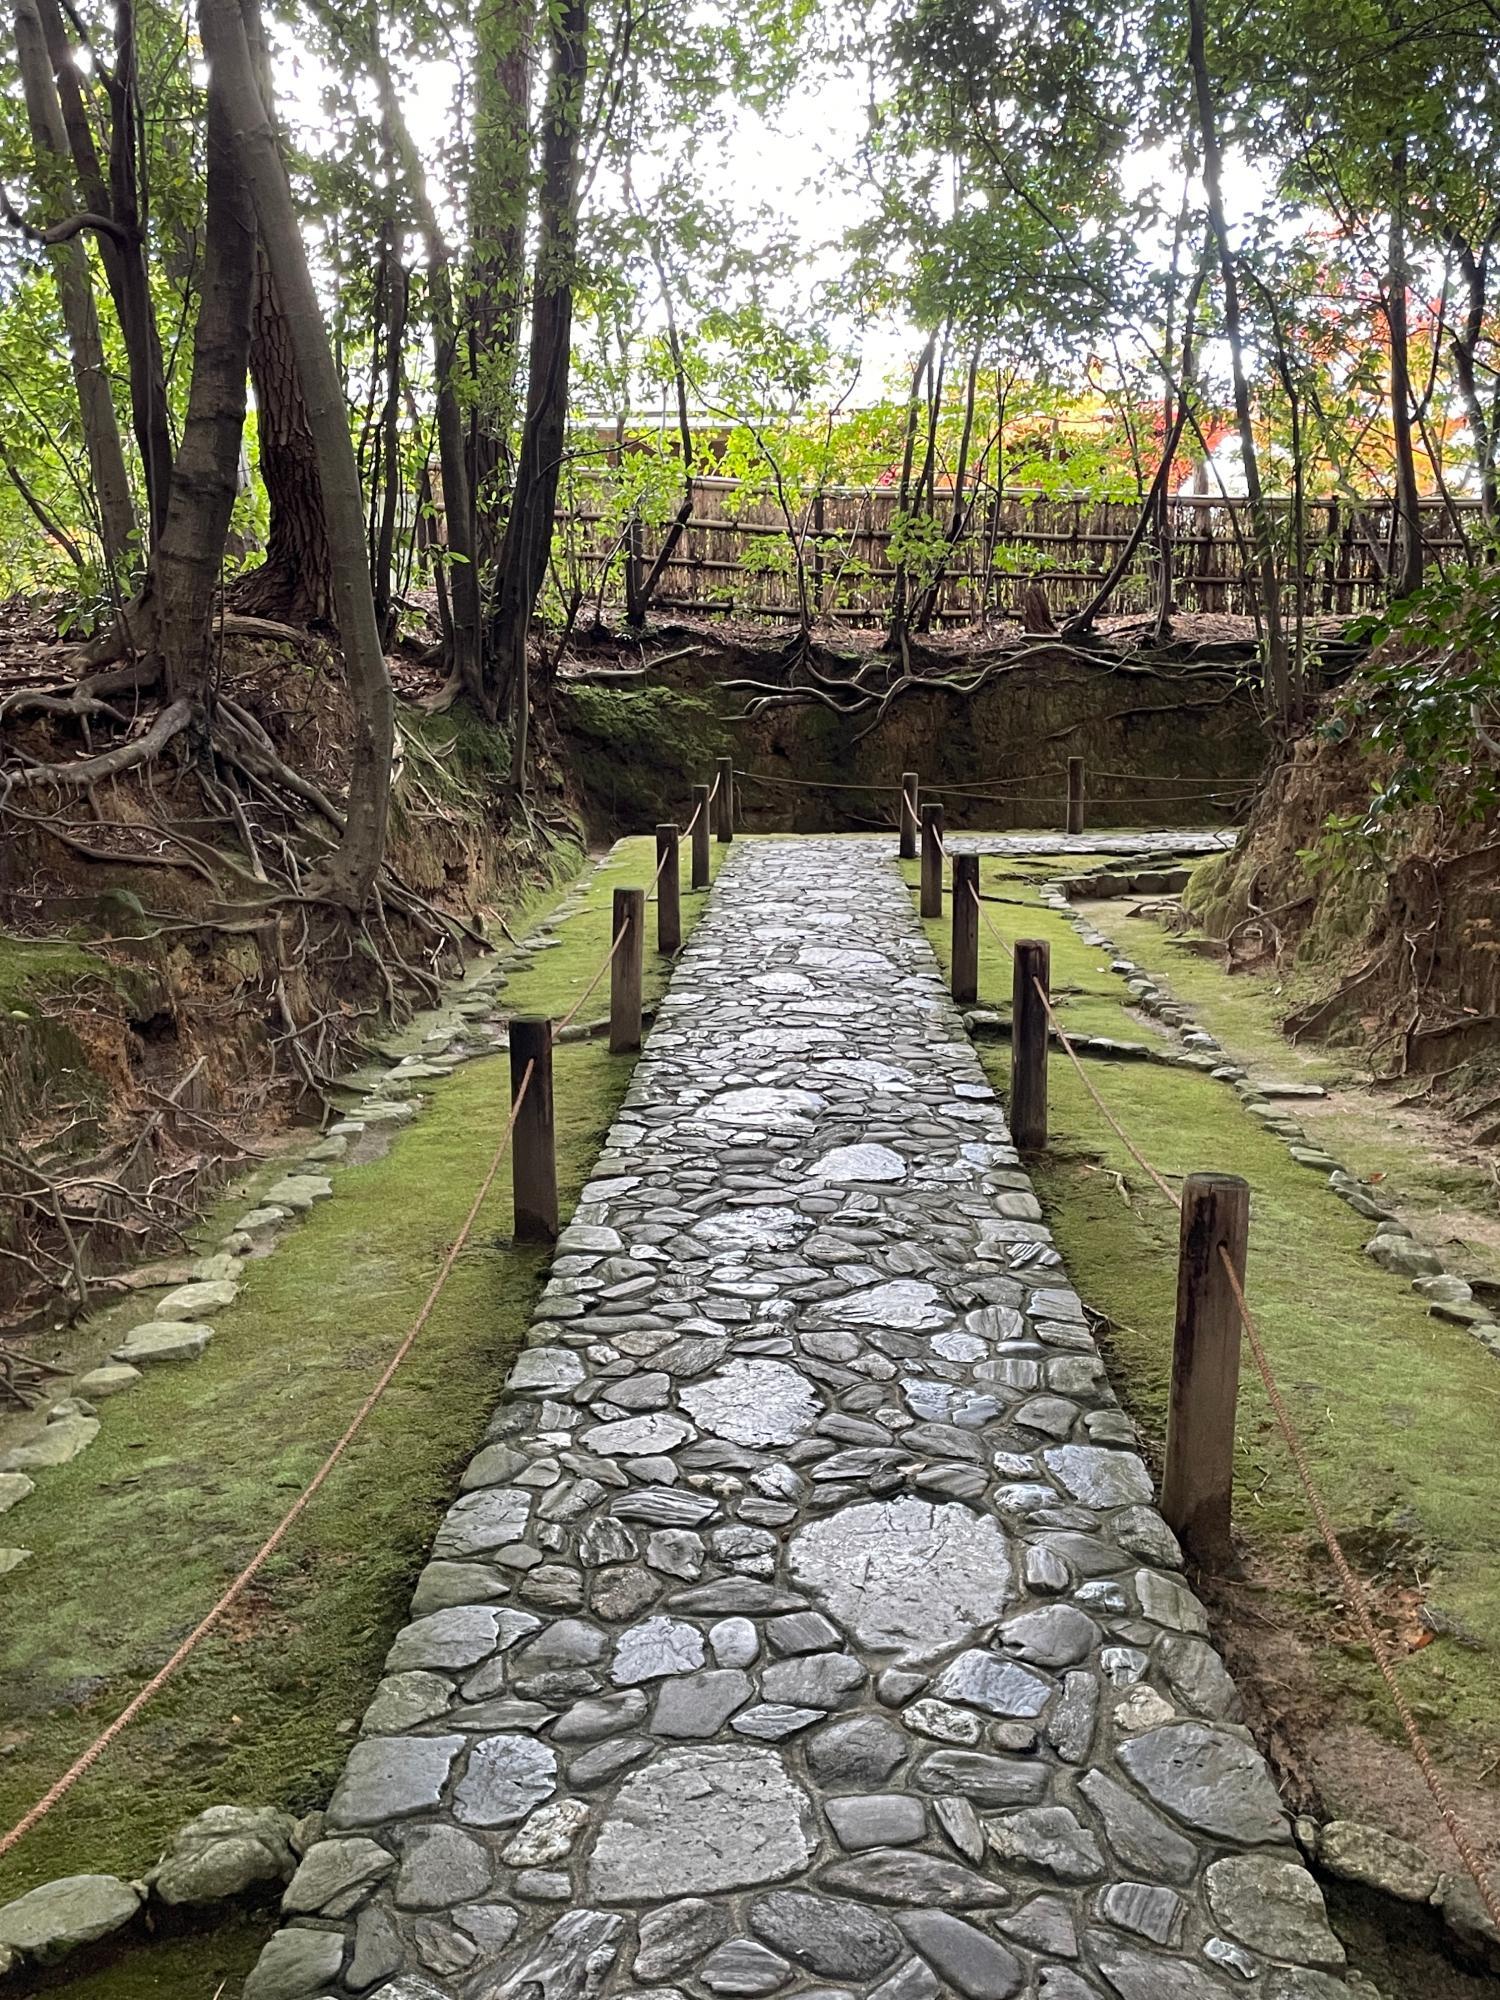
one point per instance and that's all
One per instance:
(1353, 1591)
(1356, 1600)
(273, 1541)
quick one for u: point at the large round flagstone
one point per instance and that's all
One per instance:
(702, 1819)
(753, 1403)
(906, 1574)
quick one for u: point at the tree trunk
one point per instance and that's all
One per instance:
(528, 532)
(1406, 570)
(1277, 670)
(124, 256)
(1465, 343)
(458, 512)
(70, 262)
(896, 630)
(295, 582)
(395, 293)
(350, 872)
(499, 186)
(190, 553)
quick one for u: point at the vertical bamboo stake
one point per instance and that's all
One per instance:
(625, 972)
(700, 835)
(932, 859)
(1075, 795)
(1198, 1481)
(1028, 1044)
(910, 820)
(534, 1141)
(724, 803)
(668, 891)
(965, 928)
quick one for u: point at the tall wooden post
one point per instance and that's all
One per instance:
(724, 803)
(910, 821)
(625, 972)
(1075, 795)
(700, 835)
(965, 928)
(932, 859)
(534, 1141)
(1198, 1480)
(1028, 1044)
(668, 891)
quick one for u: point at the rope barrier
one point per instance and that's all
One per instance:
(84, 1763)
(1353, 1592)
(236, 1589)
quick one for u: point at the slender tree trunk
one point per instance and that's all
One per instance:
(70, 262)
(383, 555)
(896, 630)
(639, 601)
(961, 511)
(350, 872)
(1277, 669)
(504, 33)
(458, 511)
(124, 256)
(1406, 570)
(528, 532)
(190, 552)
(1465, 344)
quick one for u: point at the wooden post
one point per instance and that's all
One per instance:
(1198, 1481)
(910, 820)
(700, 835)
(932, 859)
(724, 803)
(625, 972)
(1028, 1044)
(965, 929)
(1075, 795)
(668, 891)
(533, 1143)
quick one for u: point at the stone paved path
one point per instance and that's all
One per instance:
(805, 1626)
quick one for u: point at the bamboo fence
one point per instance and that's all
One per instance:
(738, 555)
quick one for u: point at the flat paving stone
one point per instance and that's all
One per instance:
(805, 1624)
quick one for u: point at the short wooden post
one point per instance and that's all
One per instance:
(724, 803)
(1028, 1044)
(700, 835)
(910, 792)
(965, 928)
(932, 859)
(534, 1142)
(1075, 795)
(1198, 1479)
(668, 890)
(625, 972)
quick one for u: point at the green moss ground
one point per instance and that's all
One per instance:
(1399, 1411)
(134, 1540)
(1371, 1134)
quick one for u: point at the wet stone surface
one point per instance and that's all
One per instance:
(805, 1625)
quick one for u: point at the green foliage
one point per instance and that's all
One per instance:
(1425, 705)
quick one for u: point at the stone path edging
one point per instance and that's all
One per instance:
(1392, 1246)
(805, 1625)
(177, 1329)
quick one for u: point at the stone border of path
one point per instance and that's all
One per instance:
(1448, 1296)
(1348, 1850)
(177, 1329)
